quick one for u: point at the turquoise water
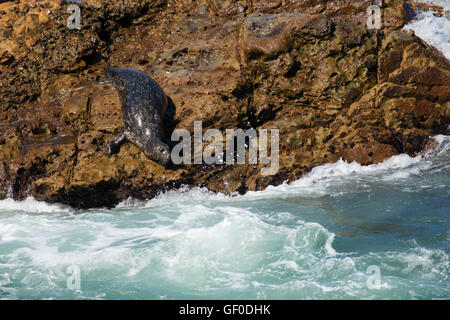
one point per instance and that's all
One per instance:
(313, 239)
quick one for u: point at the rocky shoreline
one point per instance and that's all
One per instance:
(311, 69)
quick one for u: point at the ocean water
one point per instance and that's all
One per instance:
(342, 232)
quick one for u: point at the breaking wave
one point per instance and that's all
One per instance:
(434, 30)
(312, 239)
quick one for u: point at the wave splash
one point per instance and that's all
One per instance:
(328, 179)
(275, 243)
(434, 30)
(321, 181)
(30, 205)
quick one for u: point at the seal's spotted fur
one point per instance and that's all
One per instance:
(144, 107)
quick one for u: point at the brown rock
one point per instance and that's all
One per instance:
(308, 68)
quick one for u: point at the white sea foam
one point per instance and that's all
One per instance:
(31, 205)
(221, 252)
(415, 262)
(185, 194)
(434, 30)
(322, 180)
(197, 243)
(314, 184)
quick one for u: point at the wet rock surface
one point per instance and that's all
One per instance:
(308, 68)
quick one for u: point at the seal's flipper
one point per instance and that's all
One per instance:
(114, 144)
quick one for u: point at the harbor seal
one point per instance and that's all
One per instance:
(145, 109)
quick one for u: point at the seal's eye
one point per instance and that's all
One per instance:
(161, 150)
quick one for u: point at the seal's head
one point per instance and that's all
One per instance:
(117, 77)
(157, 151)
